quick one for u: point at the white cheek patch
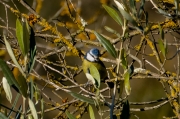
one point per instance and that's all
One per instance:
(90, 58)
(90, 78)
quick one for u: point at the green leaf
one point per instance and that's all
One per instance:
(96, 103)
(127, 83)
(106, 44)
(125, 111)
(37, 95)
(128, 17)
(91, 112)
(42, 108)
(8, 74)
(22, 34)
(14, 107)
(141, 9)
(11, 54)
(95, 74)
(112, 31)
(161, 32)
(162, 47)
(164, 13)
(33, 109)
(7, 89)
(31, 88)
(2, 116)
(82, 98)
(123, 59)
(142, 3)
(132, 4)
(22, 84)
(32, 51)
(113, 14)
(70, 116)
(97, 93)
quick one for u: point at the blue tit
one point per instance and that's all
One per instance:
(92, 58)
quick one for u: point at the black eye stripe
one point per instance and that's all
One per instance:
(95, 58)
(92, 55)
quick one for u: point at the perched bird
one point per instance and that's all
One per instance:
(92, 58)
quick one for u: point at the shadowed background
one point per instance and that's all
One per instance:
(143, 90)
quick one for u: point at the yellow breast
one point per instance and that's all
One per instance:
(99, 65)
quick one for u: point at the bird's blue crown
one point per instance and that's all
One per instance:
(92, 55)
(94, 52)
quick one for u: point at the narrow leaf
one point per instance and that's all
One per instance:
(14, 106)
(132, 4)
(125, 111)
(126, 15)
(161, 32)
(33, 109)
(142, 3)
(11, 54)
(162, 47)
(106, 44)
(36, 94)
(32, 51)
(31, 88)
(42, 108)
(21, 81)
(70, 116)
(26, 37)
(19, 33)
(23, 85)
(113, 14)
(22, 34)
(164, 13)
(142, 11)
(112, 31)
(97, 93)
(9, 76)
(122, 5)
(96, 103)
(123, 59)
(7, 89)
(127, 83)
(82, 98)
(91, 112)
